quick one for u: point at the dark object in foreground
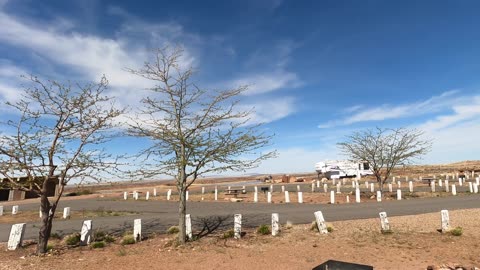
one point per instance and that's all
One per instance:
(338, 265)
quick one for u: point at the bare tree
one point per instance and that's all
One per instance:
(384, 149)
(54, 133)
(193, 131)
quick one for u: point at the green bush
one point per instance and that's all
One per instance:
(458, 231)
(263, 229)
(109, 239)
(49, 247)
(55, 236)
(329, 229)
(73, 239)
(100, 244)
(228, 234)
(99, 236)
(173, 230)
(128, 240)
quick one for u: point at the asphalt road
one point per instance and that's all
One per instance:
(157, 216)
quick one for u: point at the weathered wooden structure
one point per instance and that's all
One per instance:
(8, 191)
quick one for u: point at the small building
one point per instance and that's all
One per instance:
(9, 193)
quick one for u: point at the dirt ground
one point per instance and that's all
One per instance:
(414, 244)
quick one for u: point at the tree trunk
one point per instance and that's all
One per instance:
(182, 211)
(47, 220)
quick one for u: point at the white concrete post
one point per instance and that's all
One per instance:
(410, 186)
(237, 227)
(399, 194)
(269, 197)
(366, 184)
(137, 229)
(406, 178)
(384, 221)
(40, 214)
(169, 194)
(372, 187)
(271, 188)
(357, 195)
(16, 236)
(454, 190)
(125, 195)
(154, 192)
(332, 197)
(447, 186)
(379, 196)
(470, 187)
(432, 186)
(300, 197)
(313, 187)
(325, 188)
(318, 184)
(478, 181)
(255, 196)
(275, 224)
(322, 227)
(188, 226)
(393, 179)
(460, 182)
(298, 188)
(445, 220)
(255, 188)
(283, 188)
(14, 209)
(399, 185)
(136, 195)
(440, 183)
(353, 184)
(66, 212)
(216, 193)
(475, 188)
(348, 199)
(338, 188)
(147, 196)
(86, 233)
(334, 182)
(203, 190)
(287, 197)
(390, 187)
(1, 210)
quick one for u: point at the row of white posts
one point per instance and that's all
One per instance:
(18, 230)
(16, 209)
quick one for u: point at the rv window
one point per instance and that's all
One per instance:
(366, 166)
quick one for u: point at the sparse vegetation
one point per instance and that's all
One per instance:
(100, 244)
(458, 231)
(173, 230)
(73, 239)
(314, 226)
(128, 240)
(329, 228)
(121, 252)
(228, 234)
(263, 229)
(387, 231)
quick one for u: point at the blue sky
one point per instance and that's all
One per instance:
(318, 70)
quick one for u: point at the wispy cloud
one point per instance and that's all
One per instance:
(387, 111)
(270, 110)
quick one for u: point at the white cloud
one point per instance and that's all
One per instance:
(386, 111)
(267, 82)
(270, 110)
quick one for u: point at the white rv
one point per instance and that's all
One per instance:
(336, 169)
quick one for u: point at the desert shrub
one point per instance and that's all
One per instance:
(99, 236)
(263, 229)
(329, 229)
(314, 226)
(121, 252)
(458, 231)
(100, 244)
(173, 230)
(128, 240)
(109, 239)
(228, 234)
(73, 239)
(49, 247)
(55, 236)
(387, 231)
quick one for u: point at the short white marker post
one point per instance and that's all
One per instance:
(334, 182)
(384, 222)
(137, 230)
(470, 187)
(325, 188)
(14, 209)
(445, 220)
(298, 188)
(410, 186)
(460, 182)
(255, 196)
(478, 181)
(390, 187)
(255, 189)
(300, 197)
(188, 227)
(136, 195)
(357, 195)
(154, 192)
(399, 184)
(147, 196)
(269, 197)
(332, 197)
(86, 233)
(169, 194)
(406, 178)
(447, 186)
(322, 227)
(313, 187)
(440, 183)
(275, 224)
(475, 188)
(454, 190)
(216, 193)
(287, 197)
(372, 187)
(339, 188)
(203, 190)
(366, 184)
(348, 199)
(16, 236)
(66, 212)
(432, 185)
(271, 188)
(379, 196)
(40, 214)
(1, 210)
(125, 195)
(399, 194)
(237, 226)
(318, 184)
(393, 179)
(283, 188)
(353, 184)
